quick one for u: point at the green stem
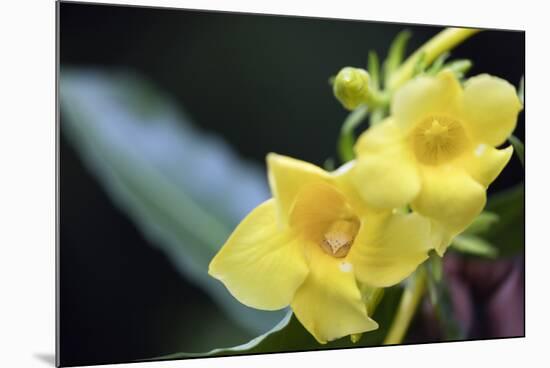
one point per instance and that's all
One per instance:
(378, 98)
(407, 307)
(347, 139)
(440, 43)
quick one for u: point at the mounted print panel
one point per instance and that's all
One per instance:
(237, 183)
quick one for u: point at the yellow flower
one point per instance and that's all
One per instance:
(314, 246)
(436, 152)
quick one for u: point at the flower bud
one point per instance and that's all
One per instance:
(351, 87)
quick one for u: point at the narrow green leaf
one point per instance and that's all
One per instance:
(508, 234)
(502, 224)
(396, 53)
(474, 245)
(519, 148)
(440, 300)
(459, 67)
(371, 297)
(521, 90)
(420, 66)
(437, 65)
(373, 68)
(482, 223)
(347, 137)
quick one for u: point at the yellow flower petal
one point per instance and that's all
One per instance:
(490, 108)
(441, 237)
(378, 137)
(484, 163)
(390, 247)
(316, 206)
(259, 264)
(388, 179)
(385, 174)
(424, 96)
(287, 176)
(450, 196)
(328, 303)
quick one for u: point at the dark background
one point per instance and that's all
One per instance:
(260, 82)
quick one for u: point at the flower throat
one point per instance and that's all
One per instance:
(339, 236)
(439, 139)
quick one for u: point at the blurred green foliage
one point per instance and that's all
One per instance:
(508, 234)
(499, 230)
(289, 335)
(184, 190)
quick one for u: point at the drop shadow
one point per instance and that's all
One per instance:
(46, 358)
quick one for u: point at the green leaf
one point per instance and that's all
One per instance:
(521, 90)
(396, 53)
(459, 67)
(372, 297)
(289, 335)
(499, 230)
(441, 301)
(272, 337)
(519, 149)
(373, 68)
(508, 234)
(347, 138)
(482, 223)
(474, 245)
(437, 65)
(157, 168)
(420, 65)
